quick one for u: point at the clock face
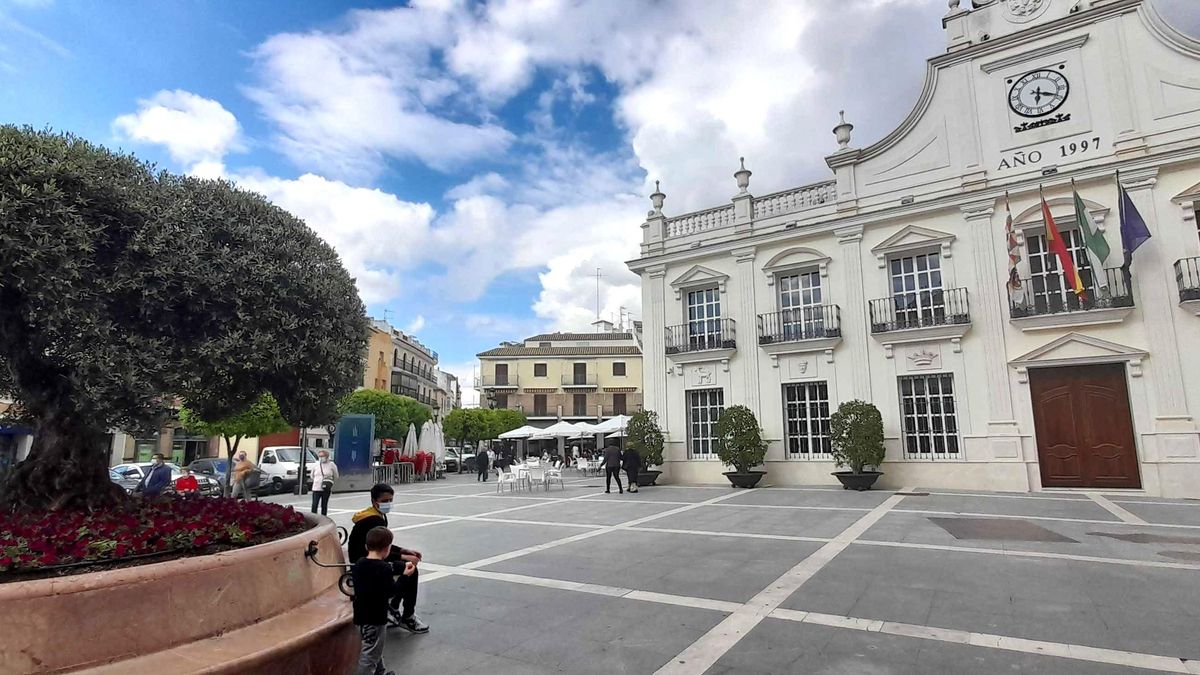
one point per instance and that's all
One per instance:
(1038, 93)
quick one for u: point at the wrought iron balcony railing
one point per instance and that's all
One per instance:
(1046, 294)
(576, 380)
(1187, 278)
(801, 323)
(920, 309)
(701, 335)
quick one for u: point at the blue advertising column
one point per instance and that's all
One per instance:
(352, 446)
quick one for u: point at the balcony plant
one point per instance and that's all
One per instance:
(740, 444)
(644, 435)
(856, 436)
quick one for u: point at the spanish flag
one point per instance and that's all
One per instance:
(1055, 243)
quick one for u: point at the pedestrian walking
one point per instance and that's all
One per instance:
(241, 472)
(632, 462)
(156, 479)
(612, 468)
(323, 476)
(481, 466)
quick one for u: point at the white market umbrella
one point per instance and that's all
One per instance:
(562, 429)
(616, 434)
(617, 423)
(425, 440)
(439, 442)
(410, 441)
(521, 432)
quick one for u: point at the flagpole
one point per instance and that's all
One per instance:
(1126, 256)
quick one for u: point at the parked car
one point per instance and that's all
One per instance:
(136, 470)
(212, 467)
(126, 484)
(280, 465)
(451, 460)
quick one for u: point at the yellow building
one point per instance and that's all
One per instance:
(565, 376)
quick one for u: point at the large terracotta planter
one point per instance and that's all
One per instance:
(263, 609)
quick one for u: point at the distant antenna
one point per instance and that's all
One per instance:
(598, 275)
(385, 315)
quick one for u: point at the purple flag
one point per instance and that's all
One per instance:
(1133, 228)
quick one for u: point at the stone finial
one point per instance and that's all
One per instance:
(842, 131)
(954, 6)
(742, 176)
(657, 199)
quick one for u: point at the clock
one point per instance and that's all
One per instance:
(1038, 93)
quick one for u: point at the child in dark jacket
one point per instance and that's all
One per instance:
(373, 587)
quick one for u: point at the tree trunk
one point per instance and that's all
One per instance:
(230, 451)
(67, 468)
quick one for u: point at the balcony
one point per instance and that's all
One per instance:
(802, 329)
(1187, 279)
(493, 382)
(1045, 304)
(628, 409)
(575, 381)
(700, 337)
(919, 316)
(413, 368)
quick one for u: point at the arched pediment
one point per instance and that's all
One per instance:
(1078, 349)
(1061, 208)
(794, 258)
(912, 237)
(698, 275)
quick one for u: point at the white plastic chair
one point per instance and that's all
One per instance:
(508, 478)
(555, 474)
(537, 476)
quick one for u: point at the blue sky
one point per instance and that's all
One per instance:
(475, 162)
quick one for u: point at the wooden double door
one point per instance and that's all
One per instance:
(1084, 427)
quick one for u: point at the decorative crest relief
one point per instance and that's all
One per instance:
(1020, 11)
(923, 358)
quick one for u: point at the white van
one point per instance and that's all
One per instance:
(280, 466)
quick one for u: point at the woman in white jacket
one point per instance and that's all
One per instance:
(323, 476)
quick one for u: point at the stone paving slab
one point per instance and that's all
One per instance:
(1005, 506)
(777, 646)
(464, 506)
(1091, 539)
(463, 541)
(733, 518)
(837, 498)
(705, 567)
(1130, 608)
(589, 512)
(1173, 514)
(690, 495)
(1073, 496)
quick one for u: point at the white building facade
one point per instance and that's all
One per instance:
(889, 282)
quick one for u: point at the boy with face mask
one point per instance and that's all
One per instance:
(356, 548)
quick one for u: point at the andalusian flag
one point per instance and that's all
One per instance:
(1093, 240)
(1058, 247)
(1016, 290)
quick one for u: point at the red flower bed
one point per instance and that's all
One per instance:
(33, 542)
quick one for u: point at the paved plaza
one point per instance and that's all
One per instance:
(708, 579)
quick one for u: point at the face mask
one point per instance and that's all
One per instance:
(324, 460)
(156, 462)
(384, 507)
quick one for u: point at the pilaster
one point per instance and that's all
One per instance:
(747, 327)
(987, 319)
(1153, 279)
(854, 323)
(655, 357)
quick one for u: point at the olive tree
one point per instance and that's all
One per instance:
(124, 291)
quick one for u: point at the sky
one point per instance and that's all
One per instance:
(474, 163)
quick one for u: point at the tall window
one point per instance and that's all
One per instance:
(704, 318)
(929, 416)
(501, 373)
(1050, 294)
(917, 290)
(806, 419)
(800, 305)
(579, 373)
(618, 404)
(539, 370)
(539, 405)
(618, 369)
(704, 409)
(579, 405)
(501, 401)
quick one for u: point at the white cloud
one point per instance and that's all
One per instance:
(196, 131)
(415, 325)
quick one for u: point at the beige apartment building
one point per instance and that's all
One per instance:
(578, 377)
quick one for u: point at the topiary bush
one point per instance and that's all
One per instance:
(739, 439)
(645, 436)
(856, 434)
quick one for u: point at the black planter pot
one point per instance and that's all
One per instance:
(857, 481)
(648, 478)
(747, 479)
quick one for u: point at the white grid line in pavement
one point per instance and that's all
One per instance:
(1112, 508)
(629, 524)
(1090, 521)
(1168, 664)
(703, 653)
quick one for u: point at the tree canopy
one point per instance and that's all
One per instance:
(392, 413)
(478, 424)
(123, 289)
